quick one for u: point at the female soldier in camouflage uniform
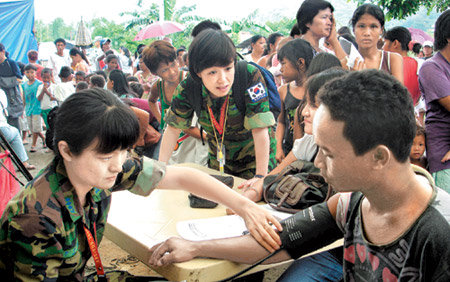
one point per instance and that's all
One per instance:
(44, 228)
(242, 143)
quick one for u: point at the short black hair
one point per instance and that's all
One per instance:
(46, 70)
(370, 9)
(137, 88)
(81, 86)
(131, 78)
(98, 81)
(344, 30)
(30, 67)
(111, 57)
(315, 82)
(401, 34)
(80, 73)
(296, 49)
(308, 10)
(95, 115)
(65, 72)
(206, 24)
(60, 40)
(321, 62)
(179, 50)
(208, 49)
(442, 31)
(376, 109)
(294, 31)
(102, 73)
(416, 48)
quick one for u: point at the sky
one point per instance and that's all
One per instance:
(48, 10)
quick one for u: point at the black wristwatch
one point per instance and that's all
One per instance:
(259, 176)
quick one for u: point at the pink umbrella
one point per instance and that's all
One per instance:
(158, 29)
(419, 35)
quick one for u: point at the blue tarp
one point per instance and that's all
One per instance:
(16, 28)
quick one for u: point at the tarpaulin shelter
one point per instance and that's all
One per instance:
(16, 28)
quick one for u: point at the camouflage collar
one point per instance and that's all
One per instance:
(65, 192)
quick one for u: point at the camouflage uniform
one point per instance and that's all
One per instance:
(238, 141)
(41, 231)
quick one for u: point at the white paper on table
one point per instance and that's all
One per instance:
(218, 227)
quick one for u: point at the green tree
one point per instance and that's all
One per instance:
(116, 32)
(400, 9)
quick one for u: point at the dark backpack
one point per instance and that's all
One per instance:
(296, 187)
(274, 96)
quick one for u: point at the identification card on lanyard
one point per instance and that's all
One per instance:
(221, 157)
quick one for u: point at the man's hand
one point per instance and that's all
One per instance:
(171, 251)
(253, 189)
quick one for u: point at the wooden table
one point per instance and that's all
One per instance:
(136, 223)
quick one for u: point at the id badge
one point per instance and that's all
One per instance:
(221, 158)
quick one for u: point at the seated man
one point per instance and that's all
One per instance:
(394, 221)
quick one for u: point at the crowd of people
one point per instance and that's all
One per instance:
(361, 103)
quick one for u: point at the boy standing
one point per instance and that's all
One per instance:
(65, 88)
(32, 105)
(45, 94)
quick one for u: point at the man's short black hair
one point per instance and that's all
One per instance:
(30, 67)
(98, 81)
(376, 109)
(60, 40)
(204, 25)
(401, 34)
(65, 72)
(442, 31)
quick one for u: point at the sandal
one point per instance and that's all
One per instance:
(33, 149)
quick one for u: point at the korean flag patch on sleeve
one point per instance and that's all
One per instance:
(257, 92)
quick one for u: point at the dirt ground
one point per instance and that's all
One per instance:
(112, 256)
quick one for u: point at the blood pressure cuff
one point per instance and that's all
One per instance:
(309, 230)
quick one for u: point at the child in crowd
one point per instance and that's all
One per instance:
(32, 58)
(45, 94)
(295, 58)
(81, 86)
(112, 63)
(418, 148)
(137, 88)
(32, 105)
(65, 88)
(97, 81)
(79, 76)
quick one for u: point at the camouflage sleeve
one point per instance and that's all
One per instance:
(32, 247)
(140, 176)
(180, 112)
(152, 173)
(257, 113)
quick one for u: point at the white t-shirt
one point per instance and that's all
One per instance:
(57, 62)
(304, 148)
(63, 90)
(46, 103)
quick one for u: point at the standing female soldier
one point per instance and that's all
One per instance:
(239, 134)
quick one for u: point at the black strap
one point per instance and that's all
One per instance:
(251, 266)
(240, 85)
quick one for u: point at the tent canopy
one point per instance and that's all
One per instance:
(16, 25)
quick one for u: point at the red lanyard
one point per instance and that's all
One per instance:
(92, 242)
(219, 127)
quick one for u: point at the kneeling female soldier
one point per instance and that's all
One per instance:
(237, 119)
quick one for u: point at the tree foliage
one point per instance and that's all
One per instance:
(400, 9)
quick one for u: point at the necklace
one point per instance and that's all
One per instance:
(220, 127)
